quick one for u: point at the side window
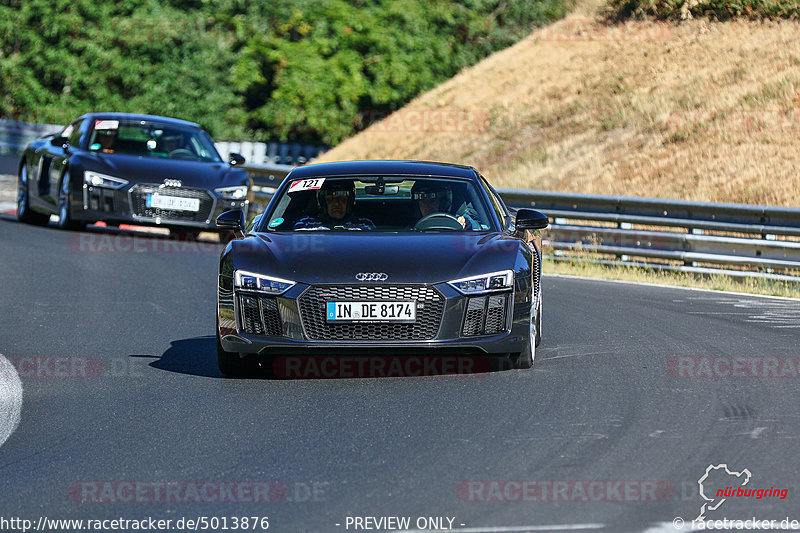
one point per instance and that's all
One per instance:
(67, 132)
(497, 204)
(75, 134)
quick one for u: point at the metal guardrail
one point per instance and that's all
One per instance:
(265, 180)
(733, 239)
(271, 153)
(15, 135)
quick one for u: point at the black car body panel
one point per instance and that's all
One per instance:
(48, 161)
(413, 266)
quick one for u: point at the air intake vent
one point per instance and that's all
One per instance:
(485, 315)
(259, 315)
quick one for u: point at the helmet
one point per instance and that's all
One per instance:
(432, 189)
(336, 187)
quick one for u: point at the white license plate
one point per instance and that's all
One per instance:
(173, 202)
(371, 311)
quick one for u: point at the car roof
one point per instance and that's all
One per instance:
(137, 116)
(384, 168)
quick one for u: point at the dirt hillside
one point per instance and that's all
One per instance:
(696, 110)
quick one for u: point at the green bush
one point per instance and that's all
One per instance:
(304, 70)
(718, 9)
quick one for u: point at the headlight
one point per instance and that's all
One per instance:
(101, 180)
(258, 282)
(233, 193)
(495, 281)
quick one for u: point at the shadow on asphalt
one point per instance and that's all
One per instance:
(196, 357)
(101, 237)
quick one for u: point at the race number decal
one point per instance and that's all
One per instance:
(306, 185)
(106, 124)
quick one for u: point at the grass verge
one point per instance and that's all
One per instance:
(715, 282)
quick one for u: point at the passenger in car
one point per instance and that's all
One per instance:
(433, 197)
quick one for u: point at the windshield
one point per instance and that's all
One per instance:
(152, 139)
(380, 203)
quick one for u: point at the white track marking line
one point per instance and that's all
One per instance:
(672, 287)
(10, 399)
(667, 527)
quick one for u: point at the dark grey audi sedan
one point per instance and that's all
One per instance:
(377, 259)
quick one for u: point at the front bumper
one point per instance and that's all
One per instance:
(128, 206)
(448, 323)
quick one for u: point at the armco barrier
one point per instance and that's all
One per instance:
(733, 239)
(273, 153)
(15, 135)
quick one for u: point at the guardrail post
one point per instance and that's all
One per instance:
(693, 231)
(624, 225)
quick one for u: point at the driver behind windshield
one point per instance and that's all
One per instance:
(435, 197)
(335, 201)
(105, 141)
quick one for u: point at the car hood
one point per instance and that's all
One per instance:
(156, 170)
(327, 257)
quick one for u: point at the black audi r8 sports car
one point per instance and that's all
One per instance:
(127, 168)
(380, 258)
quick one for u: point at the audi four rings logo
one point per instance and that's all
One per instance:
(372, 276)
(172, 183)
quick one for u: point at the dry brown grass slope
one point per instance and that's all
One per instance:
(697, 110)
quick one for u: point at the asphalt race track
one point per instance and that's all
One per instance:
(635, 391)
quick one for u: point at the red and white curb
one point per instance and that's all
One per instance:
(8, 208)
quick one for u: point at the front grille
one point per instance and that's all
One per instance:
(485, 315)
(259, 315)
(139, 203)
(312, 303)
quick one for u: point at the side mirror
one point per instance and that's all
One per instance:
(61, 142)
(233, 220)
(235, 159)
(529, 219)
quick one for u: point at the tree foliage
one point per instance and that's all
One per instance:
(304, 70)
(715, 9)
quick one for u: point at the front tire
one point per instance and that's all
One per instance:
(525, 358)
(24, 212)
(65, 220)
(231, 364)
